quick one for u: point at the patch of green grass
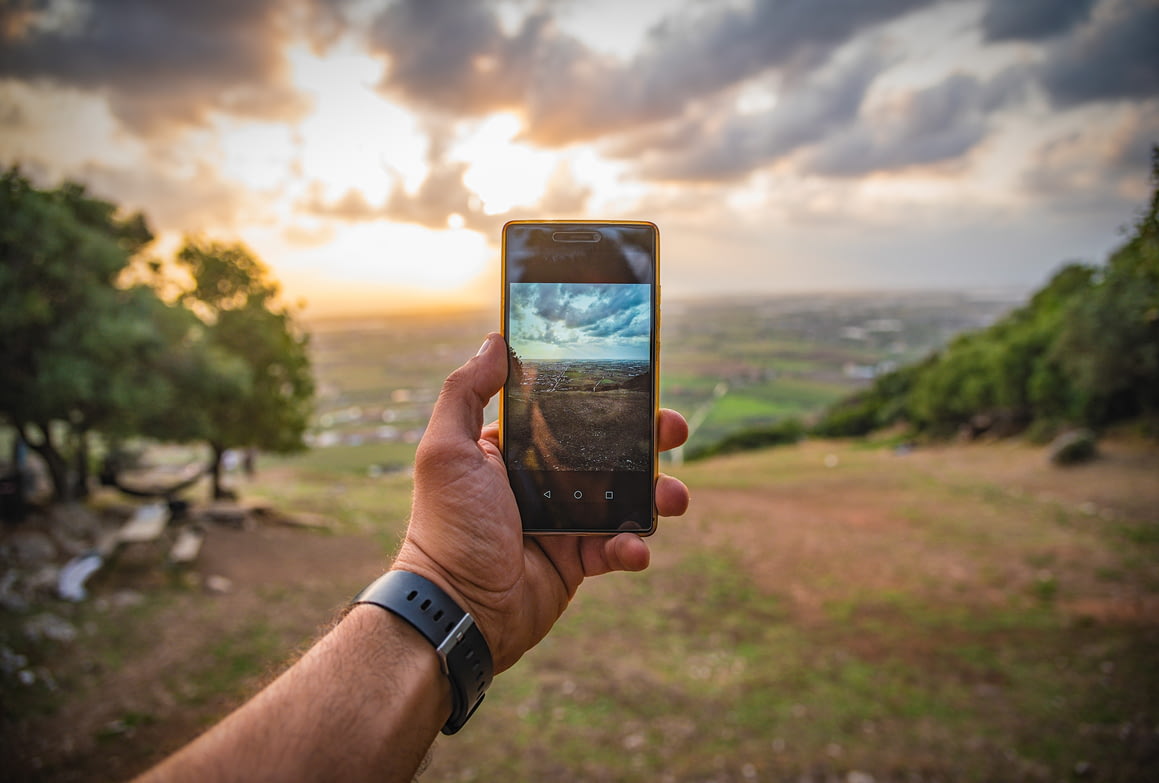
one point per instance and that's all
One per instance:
(232, 664)
(358, 504)
(696, 669)
(1141, 534)
(354, 460)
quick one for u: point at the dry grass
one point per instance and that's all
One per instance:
(960, 613)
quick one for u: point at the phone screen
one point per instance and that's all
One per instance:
(578, 410)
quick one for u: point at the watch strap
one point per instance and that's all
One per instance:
(463, 652)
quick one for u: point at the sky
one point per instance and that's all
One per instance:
(370, 151)
(554, 321)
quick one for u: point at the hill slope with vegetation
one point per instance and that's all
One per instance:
(1083, 351)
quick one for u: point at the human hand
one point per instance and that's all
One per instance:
(465, 533)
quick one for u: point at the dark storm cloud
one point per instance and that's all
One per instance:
(1116, 56)
(159, 61)
(826, 114)
(455, 57)
(1032, 20)
(615, 307)
(717, 145)
(595, 310)
(1097, 169)
(938, 124)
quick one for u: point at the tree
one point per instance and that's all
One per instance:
(71, 341)
(254, 387)
(1009, 373)
(1110, 342)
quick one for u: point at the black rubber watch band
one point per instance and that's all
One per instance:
(463, 652)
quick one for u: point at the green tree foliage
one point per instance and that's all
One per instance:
(780, 434)
(1109, 344)
(1083, 350)
(73, 346)
(881, 405)
(256, 389)
(1007, 372)
(82, 350)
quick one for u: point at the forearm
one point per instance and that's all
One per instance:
(364, 703)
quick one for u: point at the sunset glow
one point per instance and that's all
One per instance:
(370, 152)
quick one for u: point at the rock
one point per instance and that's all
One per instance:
(1073, 447)
(187, 546)
(216, 583)
(71, 585)
(146, 524)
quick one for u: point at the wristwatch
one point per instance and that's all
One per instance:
(463, 652)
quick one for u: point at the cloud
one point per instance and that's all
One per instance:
(350, 206)
(933, 125)
(452, 55)
(1097, 169)
(456, 58)
(194, 201)
(574, 315)
(829, 117)
(1112, 58)
(564, 195)
(720, 144)
(1032, 20)
(160, 62)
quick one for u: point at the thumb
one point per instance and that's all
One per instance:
(458, 413)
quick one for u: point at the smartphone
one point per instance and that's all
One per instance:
(581, 311)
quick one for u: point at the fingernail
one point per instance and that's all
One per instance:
(483, 347)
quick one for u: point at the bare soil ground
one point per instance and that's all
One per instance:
(817, 530)
(580, 430)
(858, 525)
(144, 679)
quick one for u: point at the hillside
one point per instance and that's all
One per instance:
(959, 613)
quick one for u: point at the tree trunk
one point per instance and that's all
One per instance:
(57, 465)
(216, 491)
(80, 488)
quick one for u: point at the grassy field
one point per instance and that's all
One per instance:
(727, 364)
(830, 611)
(827, 610)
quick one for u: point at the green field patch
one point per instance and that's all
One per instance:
(358, 460)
